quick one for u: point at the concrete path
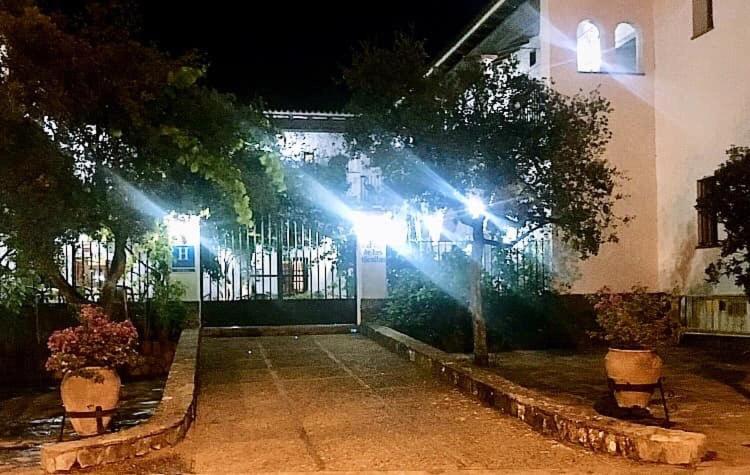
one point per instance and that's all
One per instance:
(343, 403)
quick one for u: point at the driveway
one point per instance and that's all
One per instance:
(343, 403)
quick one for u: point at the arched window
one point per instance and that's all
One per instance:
(589, 47)
(626, 48)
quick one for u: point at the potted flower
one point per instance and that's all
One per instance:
(87, 357)
(636, 325)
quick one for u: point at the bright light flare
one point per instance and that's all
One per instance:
(182, 228)
(434, 224)
(475, 206)
(380, 228)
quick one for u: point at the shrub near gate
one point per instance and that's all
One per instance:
(434, 308)
(420, 308)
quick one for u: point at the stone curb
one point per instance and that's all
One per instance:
(166, 427)
(281, 330)
(591, 430)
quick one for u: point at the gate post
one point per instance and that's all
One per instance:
(185, 241)
(371, 272)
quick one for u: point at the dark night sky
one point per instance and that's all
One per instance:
(290, 52)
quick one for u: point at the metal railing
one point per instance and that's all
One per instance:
(277, 259)
(525, 267)
(85, 265)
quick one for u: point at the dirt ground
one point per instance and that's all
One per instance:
(707, 391)
(341, 403)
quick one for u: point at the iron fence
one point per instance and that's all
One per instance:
(525, 267)
(277, 259)
(85, 265)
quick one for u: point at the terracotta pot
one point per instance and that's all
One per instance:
(636, 367)
(87, 388)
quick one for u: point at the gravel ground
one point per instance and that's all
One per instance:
(341, 403)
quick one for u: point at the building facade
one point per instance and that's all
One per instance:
(674, 74)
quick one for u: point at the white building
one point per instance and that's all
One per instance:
(318, 136)
(675, 74)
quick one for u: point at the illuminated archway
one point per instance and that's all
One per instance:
(589, 47)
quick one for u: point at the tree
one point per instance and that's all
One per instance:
(101, 134)
(485, 136)
(731, 206)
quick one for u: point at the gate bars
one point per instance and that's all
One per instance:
(277, 259)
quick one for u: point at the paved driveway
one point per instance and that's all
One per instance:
(343, 403)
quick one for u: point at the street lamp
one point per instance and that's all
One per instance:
(475, 206)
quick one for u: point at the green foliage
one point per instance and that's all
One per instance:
(434, 314)
(532, 154)
(166, 303)
(730, 203)
(15, 290)
(119, 133)
(432, 306)
(636, 320)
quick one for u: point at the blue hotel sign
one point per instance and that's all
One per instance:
(183, 258)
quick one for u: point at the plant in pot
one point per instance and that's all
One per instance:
(636, 326)
(88, 356)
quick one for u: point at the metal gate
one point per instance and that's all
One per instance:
(278, 272)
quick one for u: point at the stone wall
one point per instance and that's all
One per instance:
(588, 429)
(23, 347)
(166, 427)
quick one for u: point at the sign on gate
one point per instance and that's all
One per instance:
(185, 239)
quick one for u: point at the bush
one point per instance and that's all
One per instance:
(518, 321)
(729, 200)
(422, 310)
(434, 308)
(97, 341)
(435, 314)
(635, 320)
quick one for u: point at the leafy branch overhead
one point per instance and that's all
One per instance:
(108, 144)
(729, 201)
(534, 155)
(485, 133)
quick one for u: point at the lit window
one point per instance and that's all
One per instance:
(626, 48)
(703, 17)
(589, 47)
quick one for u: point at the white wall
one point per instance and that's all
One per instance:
(323, 145)
(702, 108)
(632, 149)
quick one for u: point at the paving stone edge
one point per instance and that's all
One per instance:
(167, 426)
(562, 422)
(276, 330)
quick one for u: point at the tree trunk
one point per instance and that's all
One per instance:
(109, 297)
(63, 286)
(476, 302)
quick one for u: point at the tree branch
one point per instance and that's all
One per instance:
(115, 271)
(68, 291)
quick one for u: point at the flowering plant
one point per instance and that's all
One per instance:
(97, 341)
(635, 320)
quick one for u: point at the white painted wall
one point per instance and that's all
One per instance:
(702, 108)
(632, 149)
(322, 146)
